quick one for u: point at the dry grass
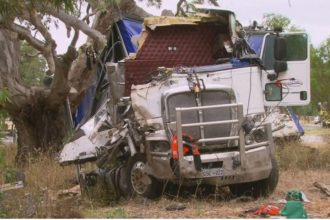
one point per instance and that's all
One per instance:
(7, 159)
(44, 177)
(223, 208)
(295, 155)
(300, 167)
(317, 131)
(46, 172)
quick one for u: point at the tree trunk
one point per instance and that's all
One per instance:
(40, 125)
(40, 130)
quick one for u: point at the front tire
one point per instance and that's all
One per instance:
(139, 181)
(261, 188)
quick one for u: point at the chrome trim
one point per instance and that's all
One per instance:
(252, 146)
(205, 140)
(209, 123)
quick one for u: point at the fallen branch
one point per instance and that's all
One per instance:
(324, 189)
(11, 186)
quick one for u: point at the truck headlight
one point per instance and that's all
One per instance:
(249, 139)
(259, 135)
(160, 146)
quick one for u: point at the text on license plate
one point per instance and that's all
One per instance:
(212, 172)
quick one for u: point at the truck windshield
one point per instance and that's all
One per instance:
(255, 42)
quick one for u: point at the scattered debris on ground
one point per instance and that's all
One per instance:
(323, 188)
(263, 211)
(11, 186)
(74, 191)
(294, 207)
(175, 207)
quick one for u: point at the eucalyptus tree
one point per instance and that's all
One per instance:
(37, 110)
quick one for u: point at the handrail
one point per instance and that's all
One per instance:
(239, 121)
(209, 123)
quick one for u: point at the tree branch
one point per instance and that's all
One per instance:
(35, 19)
(179, 8)
(86, 18)
(214, 2)
(48, 48)
(37, 44)
(26, 35)
(74, 22)
(60, 88)
(75, 38)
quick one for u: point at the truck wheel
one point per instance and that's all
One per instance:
(140, 182)
(259, 188)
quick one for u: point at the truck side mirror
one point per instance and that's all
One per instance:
(273, 92)
(280, 66)
(280, 48)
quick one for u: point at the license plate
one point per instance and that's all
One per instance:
(212, 172)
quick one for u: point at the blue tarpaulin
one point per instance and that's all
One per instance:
(296, 121)
(84, 106)
(128, 28)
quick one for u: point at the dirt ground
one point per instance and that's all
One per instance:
(218, 207)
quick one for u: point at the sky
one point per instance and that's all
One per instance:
(309, 15)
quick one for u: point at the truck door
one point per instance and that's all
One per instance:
(286, 78)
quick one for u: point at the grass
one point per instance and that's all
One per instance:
(117, 213)
(319, 131)
(7, 165)
(300, 166)
(44, 177)
(295, 155)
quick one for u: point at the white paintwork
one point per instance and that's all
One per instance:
(300, 70)
(81, 148)
(85, 146)
(146, 99)
(246, 83)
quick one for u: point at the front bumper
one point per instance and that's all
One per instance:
(257, 167)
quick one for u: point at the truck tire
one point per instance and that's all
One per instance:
(140, 182)
(261, 188)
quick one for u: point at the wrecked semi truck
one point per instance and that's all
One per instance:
(184, 107)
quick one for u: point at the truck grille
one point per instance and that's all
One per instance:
(206, 98)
